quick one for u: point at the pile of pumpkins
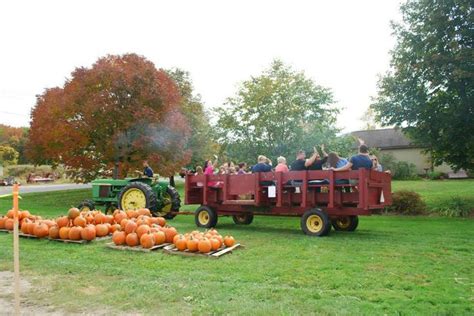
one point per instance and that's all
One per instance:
(208, 241)
(136, 228)
(7, 222)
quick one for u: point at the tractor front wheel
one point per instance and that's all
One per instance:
(315, 222)
(345, 223)
(137, 195)
(86, 206)
(205, 217)
(243, 219)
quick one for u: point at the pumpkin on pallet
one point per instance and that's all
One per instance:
(206, 242)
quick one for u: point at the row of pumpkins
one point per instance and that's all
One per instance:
(205, 242)
(77, 225)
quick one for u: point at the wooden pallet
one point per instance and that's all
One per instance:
(172, 250)
(5, 231)
(111, 245)
(26, 235)
(70, 241)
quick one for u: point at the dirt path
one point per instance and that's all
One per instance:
(26, 308)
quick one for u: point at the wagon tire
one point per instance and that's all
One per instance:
(345, 223)
(315, 222)
(243, 219)
(205, 217)
(86, 205)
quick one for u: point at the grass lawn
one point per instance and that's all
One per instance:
(390, 265)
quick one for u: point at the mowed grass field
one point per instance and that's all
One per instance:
(390, 265)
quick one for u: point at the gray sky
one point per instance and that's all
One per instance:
(342, 45)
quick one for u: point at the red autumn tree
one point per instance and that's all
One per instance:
(122, 109)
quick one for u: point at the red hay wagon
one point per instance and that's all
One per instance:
(320, 198)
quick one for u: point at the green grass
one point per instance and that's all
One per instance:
(390, 265)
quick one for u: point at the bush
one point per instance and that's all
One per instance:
(403, 170)
(435, 175)
(456, 207)
(407, 202)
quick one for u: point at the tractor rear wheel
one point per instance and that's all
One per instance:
(137, 195)
(315, 222)
(205, 217)
(86, 206)
(346, 223)
(172, 203)
(243, 219)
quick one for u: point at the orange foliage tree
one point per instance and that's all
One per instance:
(122, 109)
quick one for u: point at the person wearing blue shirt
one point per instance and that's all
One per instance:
(359, 161)
(262, 165)
(147, 171)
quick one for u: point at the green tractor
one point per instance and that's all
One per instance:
(134, 193)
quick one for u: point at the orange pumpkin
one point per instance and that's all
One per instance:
(89, 218)
(118, 237)
(2, 222)
(24, 226)
(11, 214)
(88, 233)
(147, 241)
(73, 212)
(170, 232)
(75, 233)
(160, 237)
(132, 239)
(54, 232)
(161, 221)
(109, 219)
(62, 221)
(215, 243)
(229, 241)
(31, 228)
(41, 230)
(132, 214)
(123, 222)
(180, 243)
(143, 229)
(101, 230)
(192, 244)
(114, 228)
(204, 245)
(24, 214)
(144, 211)
(80, 221)
(99, 218)
(64, 232)
(130, 227)
(119, 216)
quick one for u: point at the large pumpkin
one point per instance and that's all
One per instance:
(130, 227)
(118, 237)
(64, 232)
(75, 233)
(147, 241)
(192, 244)
(132, 240)
(41, 230)
(143, 229)
(80, 221)
(62, 221)
(88, 233)
(9, 223)
(2, 222)
(180, 243)
(204, 245)
(54, 232)
(102, 230)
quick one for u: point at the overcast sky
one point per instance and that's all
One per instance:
(342, 45)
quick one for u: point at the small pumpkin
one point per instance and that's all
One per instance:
(132, 214)
(73, 213)
(160, 237)
(144, 211)
(130, 227)
(132, 240)
(147, 241)
(62, 221)
(99, 218)
(114, 228)
(118, 237)
(109, 219)
(170, 232)
(119, 216)
(80, 221)
(192, 244)
(215, 243)
(75, 233)
(31, 228)
(180, 243)
(25, 224)
(2, 222)
(11, 214)
(229, 241)
(24, 214)
(123, 222)
(204, 245)
(54, 232)
(143, 229)
(161, 221)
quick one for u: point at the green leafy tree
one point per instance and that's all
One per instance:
(429, 89)
(200, 142)
(8, 156)
(276, 113)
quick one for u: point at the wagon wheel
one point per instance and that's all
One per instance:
(86, 206)
(205, 217)
(315, 222)
(171, 202)
(346, 223)
(137, 195)
(243, 219)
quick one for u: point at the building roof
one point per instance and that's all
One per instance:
(389, 138)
